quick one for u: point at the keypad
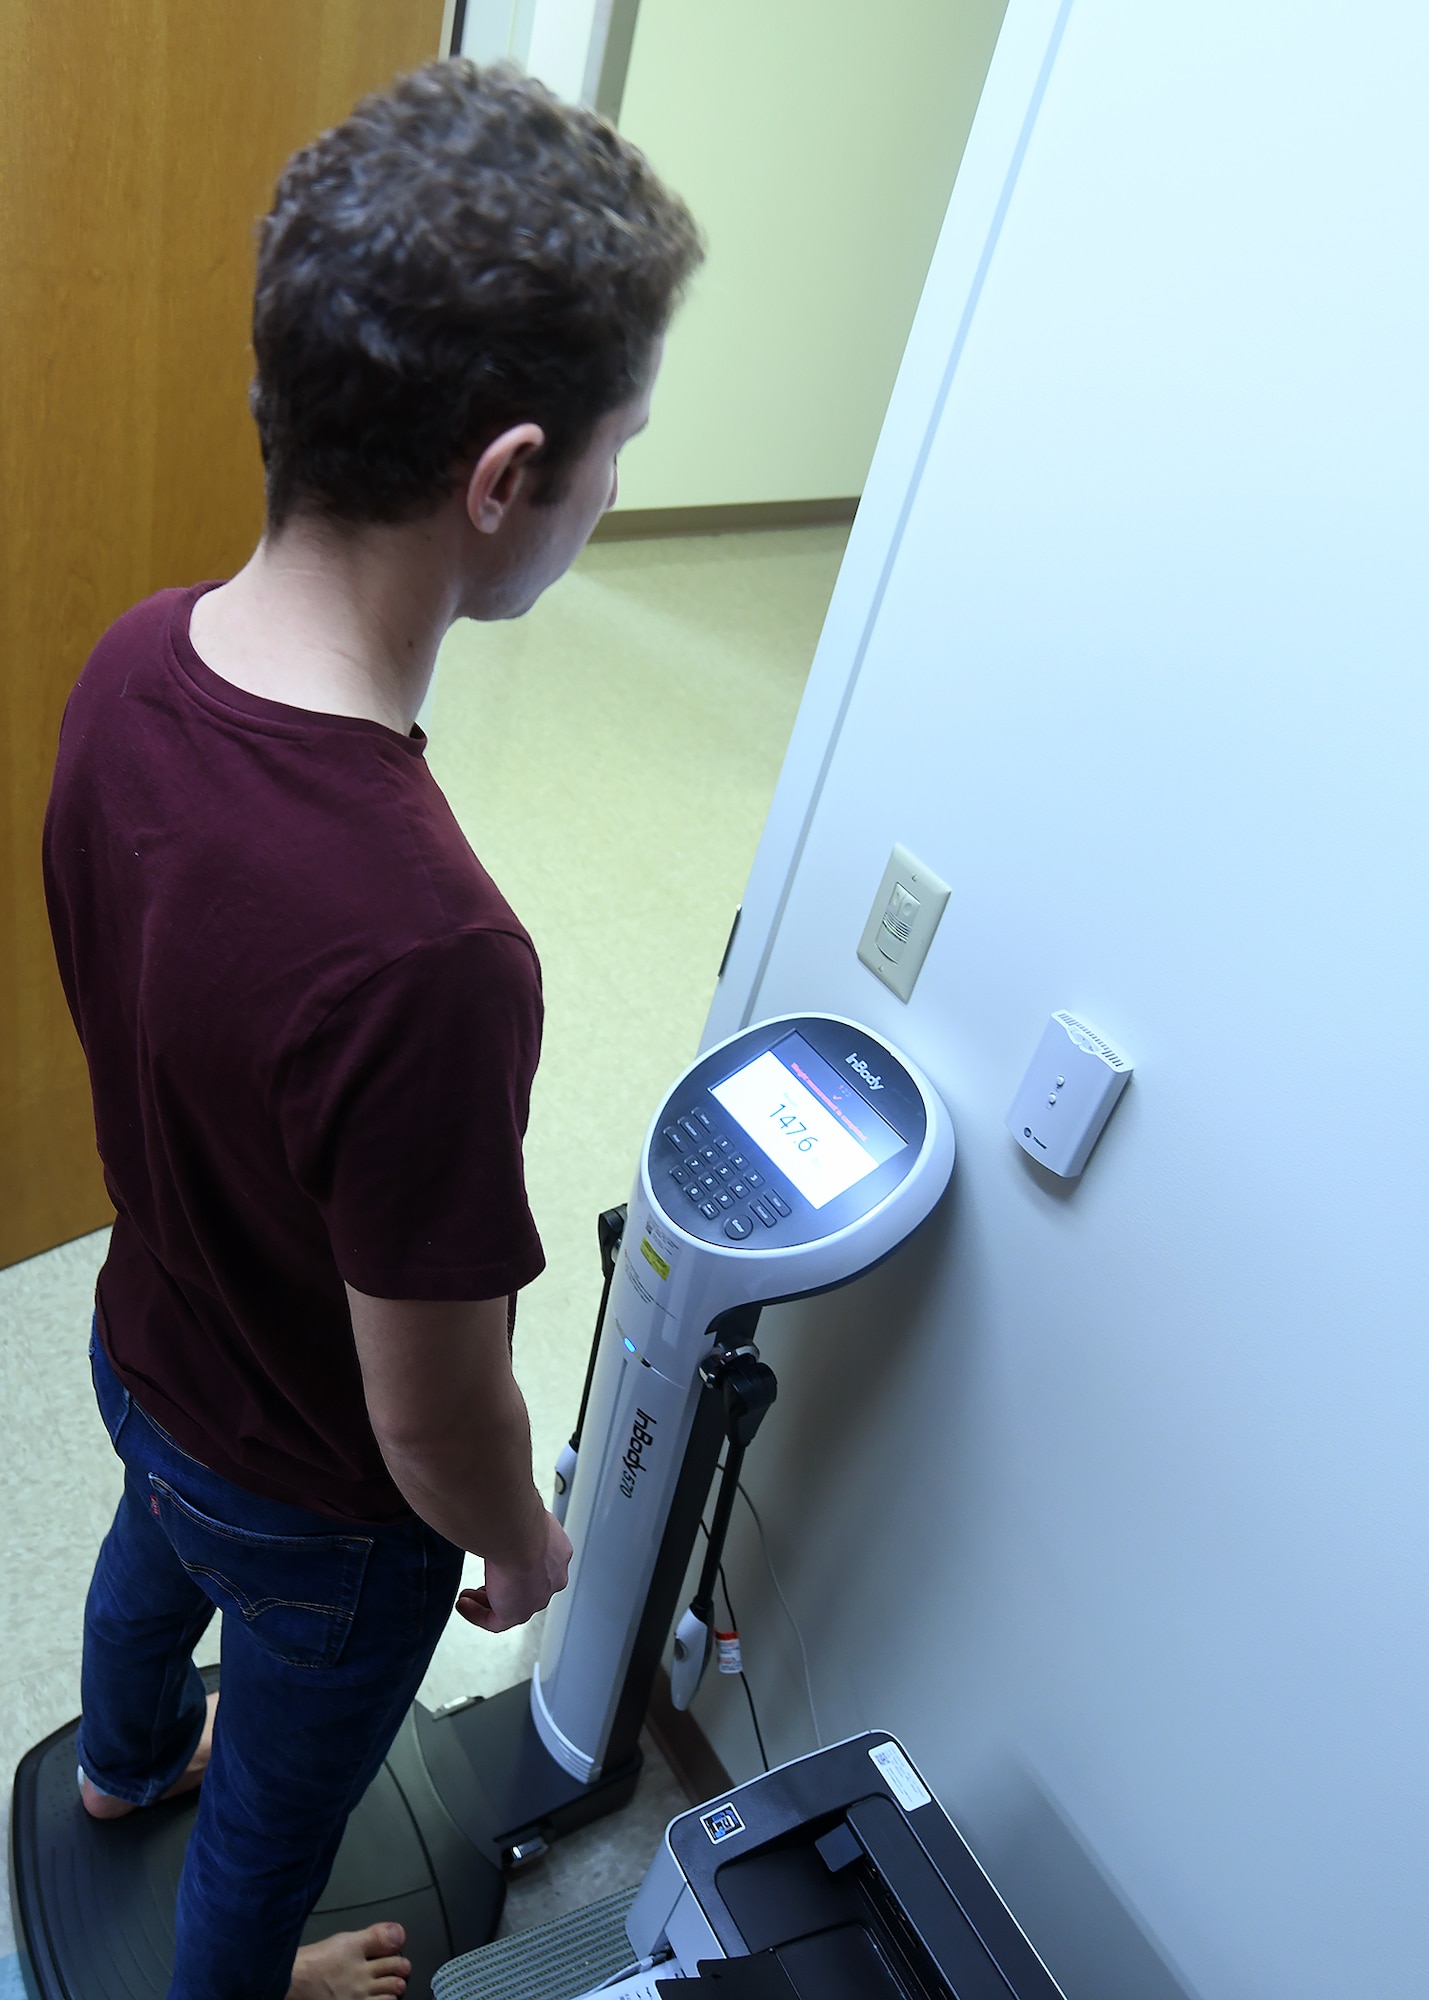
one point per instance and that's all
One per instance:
(719, 1180)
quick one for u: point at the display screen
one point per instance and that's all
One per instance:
(815, 1127)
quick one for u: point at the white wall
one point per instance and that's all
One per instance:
(552, 39)
(816, 141)
(1111, 1498)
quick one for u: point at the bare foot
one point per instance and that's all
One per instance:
(99, 1805)
(354, 1965)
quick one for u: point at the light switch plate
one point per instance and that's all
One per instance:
(906, 911)
(1067, 1095)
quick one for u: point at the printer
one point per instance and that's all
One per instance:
(836, 1877)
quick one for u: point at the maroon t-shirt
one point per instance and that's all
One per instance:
(311, 1024)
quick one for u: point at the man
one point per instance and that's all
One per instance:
(311, 1021)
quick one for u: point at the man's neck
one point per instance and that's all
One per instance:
(343, 622)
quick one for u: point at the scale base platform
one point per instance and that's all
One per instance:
(426, 1846)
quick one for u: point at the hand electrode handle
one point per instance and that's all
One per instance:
(693, 1639)
(748, 1387)
(565, 1479)
(610, 1227)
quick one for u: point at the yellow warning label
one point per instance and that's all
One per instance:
(653, 1258)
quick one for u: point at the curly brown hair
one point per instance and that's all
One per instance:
(464, 252)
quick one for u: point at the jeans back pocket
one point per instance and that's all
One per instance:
(296, 1594)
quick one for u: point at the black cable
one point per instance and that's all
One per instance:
(734, 1624)
(748, 1691)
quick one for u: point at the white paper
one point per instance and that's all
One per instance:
(639, 1986)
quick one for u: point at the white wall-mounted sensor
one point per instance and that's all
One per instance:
(1067, 1095)
(906, 912)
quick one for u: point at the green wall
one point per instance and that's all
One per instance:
(816, 141)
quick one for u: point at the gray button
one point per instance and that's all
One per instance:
(738, 1226)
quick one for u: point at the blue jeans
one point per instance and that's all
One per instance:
(328, 1629)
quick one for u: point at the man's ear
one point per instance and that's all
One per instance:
(497, 476)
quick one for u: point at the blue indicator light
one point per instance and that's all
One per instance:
(629, 1343)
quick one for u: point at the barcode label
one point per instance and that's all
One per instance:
(903, 1781)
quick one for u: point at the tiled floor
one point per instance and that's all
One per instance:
(611, 757)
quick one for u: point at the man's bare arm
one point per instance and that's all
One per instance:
(453, 1430)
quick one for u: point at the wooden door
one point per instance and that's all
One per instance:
(139, 143)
